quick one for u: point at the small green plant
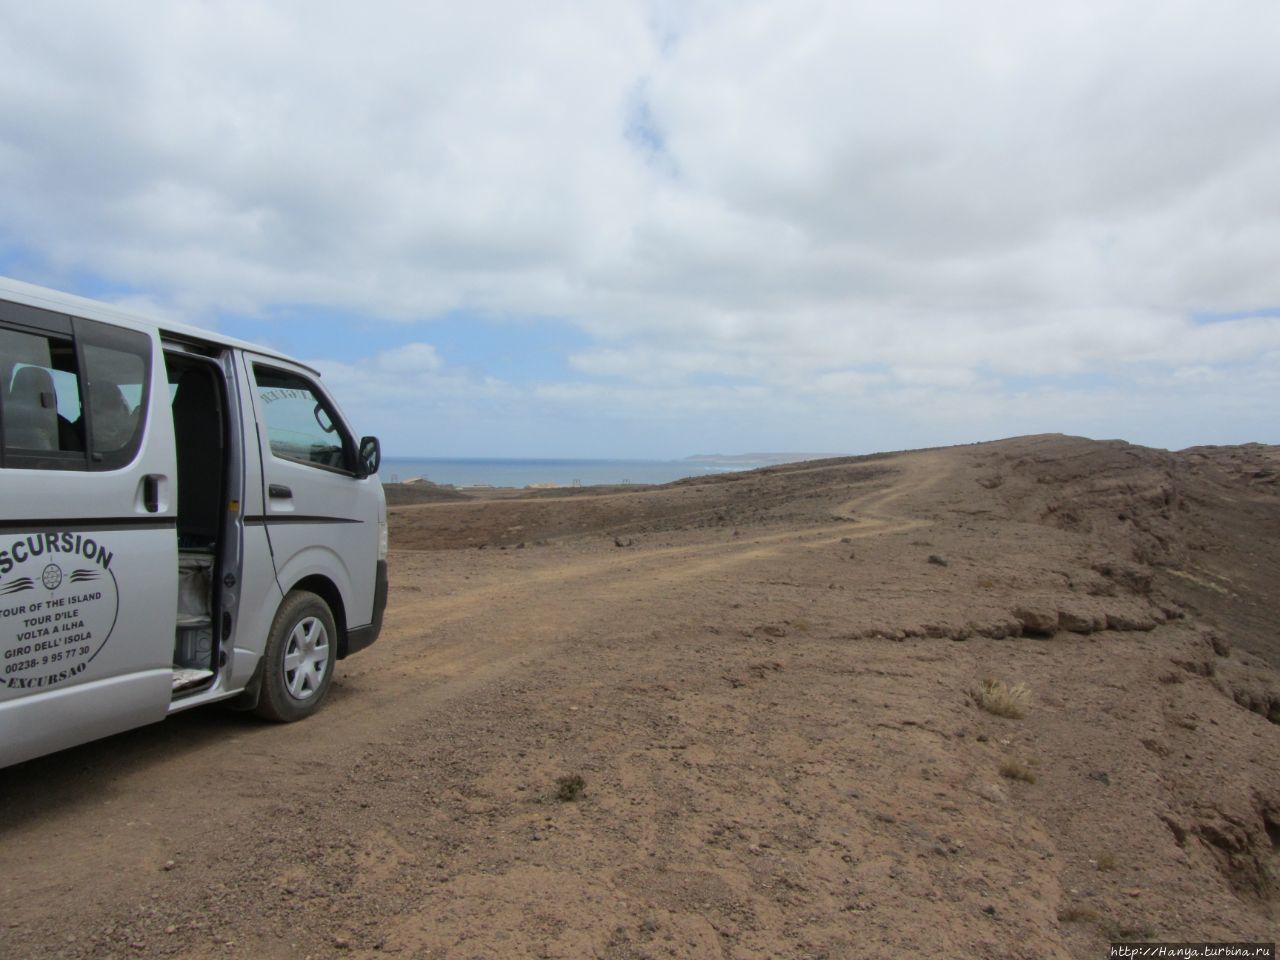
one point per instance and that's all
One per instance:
(1014, 770)
(570, 788)
(1105, 861)
(1002, 699)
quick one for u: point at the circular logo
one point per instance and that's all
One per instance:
(51, 577)
(58, 606)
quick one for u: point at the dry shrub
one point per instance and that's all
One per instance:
(1014, 770)
(1002, 699)
(570, 788)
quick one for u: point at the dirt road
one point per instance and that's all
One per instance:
(766, 684)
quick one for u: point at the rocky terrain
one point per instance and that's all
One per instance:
(1014, 699)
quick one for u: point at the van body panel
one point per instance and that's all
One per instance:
(34, 726)
(313, 561)
(92, 609)
(360, 637)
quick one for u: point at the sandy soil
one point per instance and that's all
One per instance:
(768, 685)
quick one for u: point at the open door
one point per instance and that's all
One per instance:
(88, 549)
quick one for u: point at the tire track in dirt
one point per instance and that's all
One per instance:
(467, 639)
(684, 561)
(602, 582)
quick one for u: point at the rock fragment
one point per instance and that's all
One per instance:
(1037, 621)
(1081, 621)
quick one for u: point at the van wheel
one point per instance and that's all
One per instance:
(301, 648)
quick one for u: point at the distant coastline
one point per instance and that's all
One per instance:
(758, 459)
(548, 472)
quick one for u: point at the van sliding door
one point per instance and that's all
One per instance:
(88, 548)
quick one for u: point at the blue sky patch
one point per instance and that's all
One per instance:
(1206, 317)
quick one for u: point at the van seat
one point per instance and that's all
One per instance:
(113, 421)
(31, 411)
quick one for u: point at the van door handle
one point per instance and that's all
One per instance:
(278, 491)
(151, 492)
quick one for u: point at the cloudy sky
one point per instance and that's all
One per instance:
(658, 228)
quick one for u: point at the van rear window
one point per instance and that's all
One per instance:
(116, 374)
(72, 397)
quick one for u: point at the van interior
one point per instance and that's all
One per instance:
(198, 399)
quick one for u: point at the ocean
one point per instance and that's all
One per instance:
(563, 473)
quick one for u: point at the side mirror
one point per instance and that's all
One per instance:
(369, 457)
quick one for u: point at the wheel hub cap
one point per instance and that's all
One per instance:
(306, 656)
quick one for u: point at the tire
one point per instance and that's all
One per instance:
(298, 661)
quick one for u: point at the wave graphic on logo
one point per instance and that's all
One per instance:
(79, 576)
(17, 586)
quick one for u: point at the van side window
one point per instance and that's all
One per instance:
(65, 395)
(116, 367)
(300, 425)
(40, 413)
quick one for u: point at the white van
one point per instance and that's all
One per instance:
(184, 518)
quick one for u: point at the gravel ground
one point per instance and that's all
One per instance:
(736, 718)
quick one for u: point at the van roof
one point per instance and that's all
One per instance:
(31, 295)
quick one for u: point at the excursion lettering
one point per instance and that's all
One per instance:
(46, 680)
(68, 609)
(42, 544)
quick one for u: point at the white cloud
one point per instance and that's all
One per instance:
(412, 374)
(745, 205)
